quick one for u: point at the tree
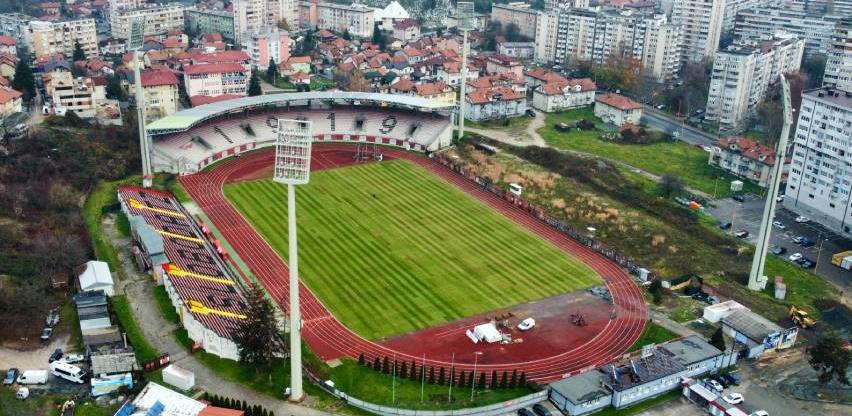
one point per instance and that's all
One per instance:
(513, 382)
(814, 66)
(481, 383)
(24, 80)
(493, 380)
(284, 25)
(377, 364)
(671, 185)
(361, 359)
(442, 376)
(469, 379)
(413, 374)
(79, 54)
(656, 290)
(357, 82)
(462, 379)
(114, 90)
(504, 380)
(386, 365)
(403, 370)
(347, 35)
(254, 84)
(770, 115)
(523, 380)
(272, 70)
(830, 359)
(257, 331)
(431, 375)
(71, 119)
(718, 340)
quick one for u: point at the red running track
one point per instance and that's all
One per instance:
(330, 339)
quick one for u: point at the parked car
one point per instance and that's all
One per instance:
(732, 378)
(734, 398)
(777, 224)
(798, 239)
(806, 263)
(722, 381)
(11, 375)
(524, 412)
(795, 257)
(540, 410)
(802, 219)
(57, 354)
(530, 113)
(778, 250)
(759, 413)
(46, 333)
(725, 225)
(779, 198)
(807, 242)
(52, 318)
(738, 198)
(713, 384)
(741, 234)
(526, 324)
(74, 358)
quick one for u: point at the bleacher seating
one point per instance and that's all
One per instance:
(182, 153)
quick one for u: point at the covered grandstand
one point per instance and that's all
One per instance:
(189, 140)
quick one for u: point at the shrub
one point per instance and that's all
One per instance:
(361, 359)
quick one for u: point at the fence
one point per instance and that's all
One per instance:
(490, 186)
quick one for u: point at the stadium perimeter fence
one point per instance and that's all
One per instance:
(488, 185)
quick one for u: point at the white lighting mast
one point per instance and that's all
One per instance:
(466, 23)
(137, 33)
(293, 167)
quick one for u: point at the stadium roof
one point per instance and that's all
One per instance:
(185, 119)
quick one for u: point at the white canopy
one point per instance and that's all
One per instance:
(487, 332)
(97, 277)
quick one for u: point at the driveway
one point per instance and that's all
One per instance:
(658, 120)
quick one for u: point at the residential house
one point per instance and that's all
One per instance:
(160, 89)
(496, 96)
(8, 45)
(617, 109)
(96, 276)
(746, 159)
(215, 79)
(438, 91)
(10, 101)
(565, 94)
(8, 63)
(406, 30)
(518, 50)
(499, 63)
(81, 95)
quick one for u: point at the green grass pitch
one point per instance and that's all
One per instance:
(390, 248)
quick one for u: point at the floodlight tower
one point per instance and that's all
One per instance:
(756, 279)
(137, 32)
(464, 12)
(293, 167)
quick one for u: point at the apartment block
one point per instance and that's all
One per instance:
(61, 37)
(211, 21)
(591, 35)
(160, 89)
(517, 13)
(17, 26)
(250, 16)
(745, 158)
(546, 35)
(818, 7)
(742, 76)
(215, 79)
(159, 19)
(838, 65)
(820, 182)
(701, 23)
(358, 19)
(752, 25)
(269, 44)
(80, 95)
(733, 7)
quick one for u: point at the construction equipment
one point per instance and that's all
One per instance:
(801, 318)
(578, 319)
(842, 260)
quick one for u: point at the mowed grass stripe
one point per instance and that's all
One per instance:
(390, 248)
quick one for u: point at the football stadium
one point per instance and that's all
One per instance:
(401, 255)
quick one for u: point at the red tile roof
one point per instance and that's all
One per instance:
(8, 94)
(504, 60)
(429, 89)
(485, 95)
(220, 411)
(220, 57)
(155, 78)
(749, 149)
(299, 60)
(543, 74)
(557, 87)
(405, 24)
(7, 41)
(403, 85)
(618, 101)
(212, 68)
(197, 100)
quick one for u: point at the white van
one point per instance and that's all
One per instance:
(33, 377)
(67, 371)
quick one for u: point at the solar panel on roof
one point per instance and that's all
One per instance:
(126, 410)
(156, 409)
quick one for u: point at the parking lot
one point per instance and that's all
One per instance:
(746, 216)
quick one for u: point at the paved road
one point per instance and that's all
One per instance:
(658, 120)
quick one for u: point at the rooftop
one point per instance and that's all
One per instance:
(581, 388)
(832, 95)
(750, 324)
(690, 350)
(8, 94)
(212, 68)
(156, 78)
(749, 149)
(618, 101)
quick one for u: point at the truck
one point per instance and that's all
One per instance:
(842, 260)
(33, 377)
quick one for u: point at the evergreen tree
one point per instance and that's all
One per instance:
(249, 411)
(347, 35)
(377, 364)
(481, 383)
(256, 410)
(361, 359)
(469, 382)
(244, 406)
(504, 380)
(257, 331)
(514, 380)
(431, 375)
(403, 370)
(79, 54)
(523, 381)
(718, 340)
(493, 380)
(215, 400)
(24, 80)
(442, 376)
(830, 359)
(254, 84)
(272, 71)
(386, 365)
(413, 374)
(462, 379)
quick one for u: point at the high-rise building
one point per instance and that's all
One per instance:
(268, 44)
(546, 35)
(838, 65)
(159, 19)
(733, 7)
(742, 75)
(62, 36)
(357, 19)
(701, 23)
(590, 35)
(755, 24)
(517, 13)
(200, 21)
(250, 16)
(818, 7)
(820, 181)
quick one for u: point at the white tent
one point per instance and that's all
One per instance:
(487, 332)
(96, 277)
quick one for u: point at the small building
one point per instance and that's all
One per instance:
(617, 109)
(565, 94)
(499, 64)
(715, 313)
(637, 377)
(11, 101)
(406, 30)
(755, 333)
(216, 79)
(746, 159)
(155, 399)
(92, 310)
(493, 103)
(96, 277)
(518, 50)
